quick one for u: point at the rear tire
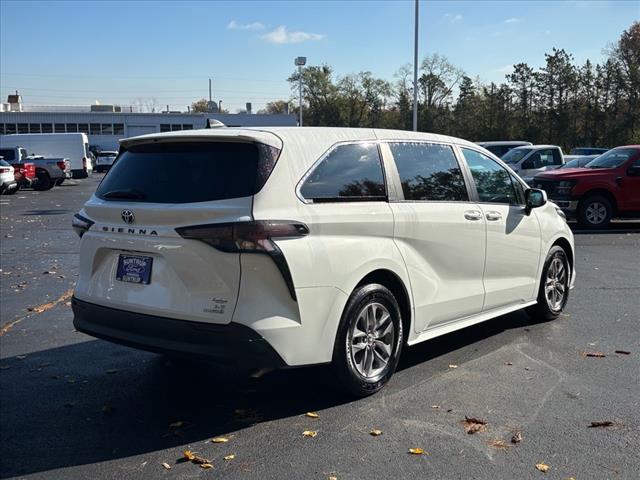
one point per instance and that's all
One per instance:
(595, 211)
(44, 182)
(369, 340)
(12, 191)
(554, 286)
(60, 181)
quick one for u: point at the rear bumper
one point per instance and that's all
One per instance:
(7, 186)
(232, 343)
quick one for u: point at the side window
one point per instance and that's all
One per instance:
(429, 172)
(493, 182)
(557, 159)
(348, 172)
(520, 200)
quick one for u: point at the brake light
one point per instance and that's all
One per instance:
(4, 170)
(250, 237)
(29, 170)
(81, 224)
(61, 165)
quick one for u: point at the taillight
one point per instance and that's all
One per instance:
(4, 170)
(29, 170)
(81, 224)
(61, 165)
(250, 237)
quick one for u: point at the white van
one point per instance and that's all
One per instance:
(74, 146)
(282, 247)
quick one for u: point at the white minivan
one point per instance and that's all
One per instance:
(72, 146)
(283, 247)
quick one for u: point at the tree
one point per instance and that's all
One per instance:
(277, 107)
(200, 106)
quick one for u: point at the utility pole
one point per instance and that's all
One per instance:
(209, 90)
(415, 72)
(300, 62)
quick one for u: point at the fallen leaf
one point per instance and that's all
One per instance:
(623, 352)
(375, 432)
(451, 365)
(472, 425)
(499, 444)
(516, 438)
(606, 423)
(543, 467)
(594, 354)
(206, 465)
(201, 461)
(312, 415)
(508, 363)
(166, 465)
(188, 454)
(435, 406)
(310, 433)
(416, 451)
(230, 457)
(332, 477)
(176, 424)
(219, 440)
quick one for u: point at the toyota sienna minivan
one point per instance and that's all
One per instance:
(283, 247)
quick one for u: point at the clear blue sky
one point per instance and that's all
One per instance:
(74, 53)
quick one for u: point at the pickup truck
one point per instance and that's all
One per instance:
(49, 171)
(530, 160)
(609, 187)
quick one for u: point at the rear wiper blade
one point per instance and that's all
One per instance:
(128, 193)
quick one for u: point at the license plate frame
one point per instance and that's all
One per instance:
(134, 269)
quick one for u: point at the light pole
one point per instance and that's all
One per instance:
(300, 62)
(415, 73)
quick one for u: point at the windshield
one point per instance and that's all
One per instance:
(613, 158)
(572, 164)
(515, 155)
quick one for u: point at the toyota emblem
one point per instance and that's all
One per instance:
(127, 216)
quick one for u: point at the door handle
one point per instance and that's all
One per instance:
(473, 215)
(494, 216)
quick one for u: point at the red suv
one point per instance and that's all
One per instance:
(607, 187)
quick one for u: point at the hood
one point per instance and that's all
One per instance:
(569, 173)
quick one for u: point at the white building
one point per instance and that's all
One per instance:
(106, 128)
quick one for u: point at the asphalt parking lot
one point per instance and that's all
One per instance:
(75, 407)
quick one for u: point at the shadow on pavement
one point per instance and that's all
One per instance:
(94, 401)
(616, 227)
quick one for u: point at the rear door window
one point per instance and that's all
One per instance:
(429, 172)
(351, 172)
(188, 172)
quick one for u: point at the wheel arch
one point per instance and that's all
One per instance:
(566, 246)
(399, 290)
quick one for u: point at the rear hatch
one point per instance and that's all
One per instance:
(133, 258)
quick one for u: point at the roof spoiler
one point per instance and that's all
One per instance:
(213, 123)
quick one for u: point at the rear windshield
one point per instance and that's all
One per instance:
(188, 172)
(515, 155)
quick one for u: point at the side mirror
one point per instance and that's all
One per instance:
(634, 171)
(534, 198)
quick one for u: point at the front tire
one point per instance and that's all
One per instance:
(369, 340)
(595, 211)
(554, 286)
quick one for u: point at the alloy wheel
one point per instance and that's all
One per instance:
(371, 339)
(556, 282)
(596, 213)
